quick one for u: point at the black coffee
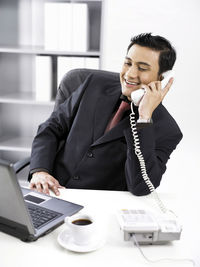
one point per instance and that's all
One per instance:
(82, 222)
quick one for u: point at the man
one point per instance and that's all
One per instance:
(96, 153)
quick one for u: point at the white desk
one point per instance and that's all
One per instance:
(116, 252)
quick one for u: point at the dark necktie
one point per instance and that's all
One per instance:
(124, 106)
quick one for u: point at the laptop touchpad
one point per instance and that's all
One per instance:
(36, 198)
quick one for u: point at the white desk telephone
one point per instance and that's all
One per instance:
(137, 95)
(147, 228)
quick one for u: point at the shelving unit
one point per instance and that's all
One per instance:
(21, 41)
(40, 51)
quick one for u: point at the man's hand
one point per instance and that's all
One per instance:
(42, 182)
(153, 96)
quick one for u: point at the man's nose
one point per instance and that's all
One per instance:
(132, 72)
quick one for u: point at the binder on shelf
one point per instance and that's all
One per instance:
(37, 19)
(51, 25)
(79, 27)
(65, 64)
(91, 63)
(43, 78)
(66, 26)
(77, 62)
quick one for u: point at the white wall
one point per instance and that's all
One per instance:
(178, 21)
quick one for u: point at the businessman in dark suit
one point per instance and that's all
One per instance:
(80, 146)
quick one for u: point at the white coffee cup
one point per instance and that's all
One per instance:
(82, 228)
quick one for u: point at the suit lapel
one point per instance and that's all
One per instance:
(102, 118)
(104, 109)
(114, 133)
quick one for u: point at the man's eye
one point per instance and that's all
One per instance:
(142, 69)
(127, 63)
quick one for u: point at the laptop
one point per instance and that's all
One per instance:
(25, 213)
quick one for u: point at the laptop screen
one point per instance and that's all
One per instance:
(12, 205)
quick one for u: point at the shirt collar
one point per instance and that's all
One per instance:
(124, 98)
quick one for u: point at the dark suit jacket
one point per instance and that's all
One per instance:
(72, 145)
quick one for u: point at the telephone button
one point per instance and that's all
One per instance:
(90, 154)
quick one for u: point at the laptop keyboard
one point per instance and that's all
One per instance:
(40, 215)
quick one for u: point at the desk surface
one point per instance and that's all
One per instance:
(103, 206)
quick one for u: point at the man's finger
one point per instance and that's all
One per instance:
(51, 184)
(45, 188)
(167, 87)
(60, 186)
(32, 185)
(153, 86)
(38, 187)
(55, 182)
(54, 188)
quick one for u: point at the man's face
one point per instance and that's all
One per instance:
(141, 66)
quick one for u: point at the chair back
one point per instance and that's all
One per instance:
(74, 78)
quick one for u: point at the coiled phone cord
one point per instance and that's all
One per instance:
(140, 157)
(151, 187)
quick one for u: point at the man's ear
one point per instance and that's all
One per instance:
(160, 77)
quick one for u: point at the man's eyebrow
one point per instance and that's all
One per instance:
(143, 63)
(139, 62)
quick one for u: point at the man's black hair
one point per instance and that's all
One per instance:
(167, 56)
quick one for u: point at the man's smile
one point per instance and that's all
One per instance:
(129, 83)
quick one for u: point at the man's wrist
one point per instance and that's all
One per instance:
(38, 170)
(144, 120)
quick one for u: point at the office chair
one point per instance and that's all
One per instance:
(68, 84)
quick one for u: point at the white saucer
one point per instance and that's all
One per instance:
(66, 241)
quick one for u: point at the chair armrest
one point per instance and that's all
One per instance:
(21, 164)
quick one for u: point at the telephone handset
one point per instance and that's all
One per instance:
(137, 95)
